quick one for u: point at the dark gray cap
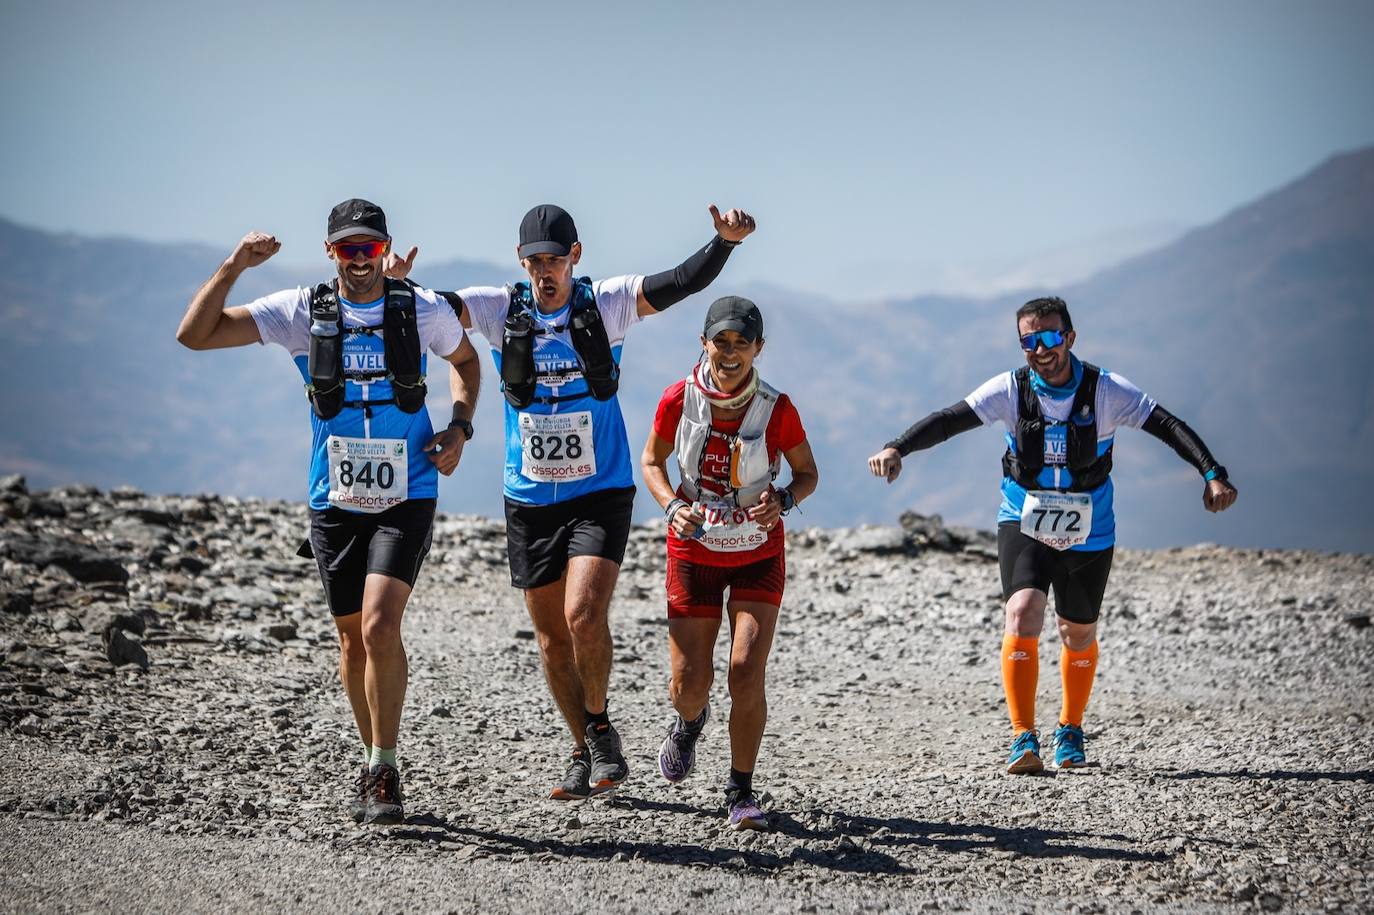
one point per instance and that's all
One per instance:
(356, 217)
(733, 312)
(547, 229)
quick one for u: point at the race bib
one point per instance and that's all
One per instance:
(1058, 519)
(557, 448)
(367, 474)
(729, 529)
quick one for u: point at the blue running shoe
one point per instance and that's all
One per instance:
(1024, 758)
(1068, 747)
(679, 751)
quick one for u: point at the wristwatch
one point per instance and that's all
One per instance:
(789, 501)
(463, 424)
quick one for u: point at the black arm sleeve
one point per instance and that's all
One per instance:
(1175, 433)
(939, 426)
(692, 275)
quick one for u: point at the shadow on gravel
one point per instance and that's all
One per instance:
(1276, 775)
(963, 837)
(840, 842)
(842, 857)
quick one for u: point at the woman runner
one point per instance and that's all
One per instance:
(728, 430)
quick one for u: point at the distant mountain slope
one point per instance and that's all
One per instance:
(1253, 329)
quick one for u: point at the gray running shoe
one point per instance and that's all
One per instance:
(574, 786)
(357, 802)
(385, 805)
(608, 765)
(679, 751)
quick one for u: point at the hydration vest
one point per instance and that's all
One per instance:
(400, 337)
(589, 341)
(751, 472)
(1024, 463)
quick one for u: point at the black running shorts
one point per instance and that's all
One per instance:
(541, 538)
(349, 546)
(1079, 577)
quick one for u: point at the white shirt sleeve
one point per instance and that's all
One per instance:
(618, 301)
(1121, 402)
(994, 400)
(440, 330)
(488, 306)
(283, 318)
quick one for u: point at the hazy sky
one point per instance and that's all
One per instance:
(880, 145)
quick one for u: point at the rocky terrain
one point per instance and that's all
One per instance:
(176, 738)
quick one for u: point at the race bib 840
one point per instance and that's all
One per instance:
(367, 474)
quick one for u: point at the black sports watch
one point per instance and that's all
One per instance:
(463, 424)
(789, 501)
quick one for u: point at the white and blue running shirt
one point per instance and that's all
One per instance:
(556, 367)
(1119, 403)
(283, 318)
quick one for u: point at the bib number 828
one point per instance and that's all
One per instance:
(556, 447)
(1072, 520)
(383, 476)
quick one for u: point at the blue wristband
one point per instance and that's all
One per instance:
(1210, 475)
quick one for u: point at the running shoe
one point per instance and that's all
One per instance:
(745, 812)
(385, 804)
(607, 763)
(574, 786)
(679, 751)
(1068, 747)
(1024, 758)
(357, 802)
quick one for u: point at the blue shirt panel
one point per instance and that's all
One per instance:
(367, 353)
(554, 355)
(1103, 533)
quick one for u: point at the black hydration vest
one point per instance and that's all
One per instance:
(1024, 463)
(589, 342)
(400, 337)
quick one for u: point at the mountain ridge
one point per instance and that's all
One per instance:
(1248, 328)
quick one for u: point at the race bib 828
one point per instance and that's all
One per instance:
(557, 448)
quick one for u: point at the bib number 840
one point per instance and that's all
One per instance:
(1057, 519)
(384, 476)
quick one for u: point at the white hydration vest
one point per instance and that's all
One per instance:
(750, 470)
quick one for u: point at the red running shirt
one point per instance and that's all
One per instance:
(784, 433)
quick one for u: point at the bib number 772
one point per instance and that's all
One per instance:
(1057, 519)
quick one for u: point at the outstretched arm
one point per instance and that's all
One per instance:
(207, 324)
(661, 290)
(1219, 494)
(938, 427)
(398, 268)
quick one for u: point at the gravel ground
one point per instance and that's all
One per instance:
(178, 741)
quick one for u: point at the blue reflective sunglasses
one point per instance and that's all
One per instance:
(1049, 339)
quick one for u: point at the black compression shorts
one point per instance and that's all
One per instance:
(541, 538)
(1079, 577)
(349, 546)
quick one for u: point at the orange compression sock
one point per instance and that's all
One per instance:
(1020, 672)
(1076, 670)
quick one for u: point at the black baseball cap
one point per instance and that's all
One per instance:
(546, 229)
(733, 312)
(356, 217)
